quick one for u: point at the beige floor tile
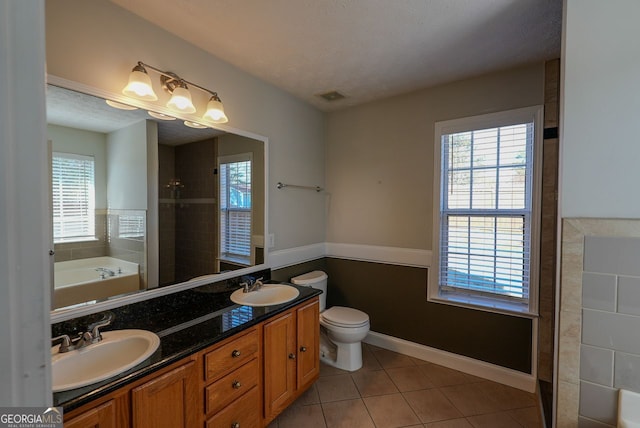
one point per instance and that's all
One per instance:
(310, 396)
(390, 411)
(431, 405)
(508, 397)
(452, 423)
(472, 399)
(443, 376)
(346, 414)
(327, 370)
(494, 420)
(302, 416)
(336, 388)
(374, 383)
(389, 359)
(369, 361)
(528, 417)
(409, 378)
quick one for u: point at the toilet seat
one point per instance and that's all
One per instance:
(344, 317)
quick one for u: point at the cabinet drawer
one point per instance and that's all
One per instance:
(226, 389)
(230, 356)
(242, 413)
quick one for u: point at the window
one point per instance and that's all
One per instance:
(131, 226)
(486, 215)
(235, 208)
(73, 187)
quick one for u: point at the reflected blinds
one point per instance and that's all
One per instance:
(235, 209)
(485, 212)
(73, 187)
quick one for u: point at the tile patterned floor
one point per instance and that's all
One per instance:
(393, 390)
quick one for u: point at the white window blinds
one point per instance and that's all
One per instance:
(235, 207)
(485, 212)
(73, 187)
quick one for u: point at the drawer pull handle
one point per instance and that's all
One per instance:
(236, 384)
(235, 353)
(235, 425)
(292, 356)
(303, 349)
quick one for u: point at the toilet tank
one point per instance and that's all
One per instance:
(316, 279)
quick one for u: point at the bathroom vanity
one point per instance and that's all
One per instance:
(233, 366)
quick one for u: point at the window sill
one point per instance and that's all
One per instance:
(243, 261)
(485, 304)
(74, 240)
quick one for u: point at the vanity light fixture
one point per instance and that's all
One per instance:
(140, 87)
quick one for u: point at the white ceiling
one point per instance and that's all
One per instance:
(365, 49)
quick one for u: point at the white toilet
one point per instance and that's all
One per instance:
(341, 329)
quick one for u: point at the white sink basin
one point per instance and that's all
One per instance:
(269, 294)
(118, 351)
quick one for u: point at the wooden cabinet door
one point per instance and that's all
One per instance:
(103, 416)
(168, 401)
(308, 320)
(279, 363)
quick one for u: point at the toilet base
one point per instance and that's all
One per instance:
(348, 356)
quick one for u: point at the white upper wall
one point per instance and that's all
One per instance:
(380, 155)
(600, 158)
(96, 43)
(88, 143)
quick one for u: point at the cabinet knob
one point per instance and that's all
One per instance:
(236, 384)
(292, 356)
(235, 353)
(235, 425)
(303, 349)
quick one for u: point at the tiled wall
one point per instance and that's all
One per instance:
(599, 326)
(129, 248)
(86, 249)
(610, 350)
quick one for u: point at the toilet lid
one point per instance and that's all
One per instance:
(347, 317)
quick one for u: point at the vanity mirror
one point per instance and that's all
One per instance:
(142, 200)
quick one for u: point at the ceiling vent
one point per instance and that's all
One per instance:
(332, 96)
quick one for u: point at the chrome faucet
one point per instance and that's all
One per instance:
(248, 287)
(92, 335)
(104, 272)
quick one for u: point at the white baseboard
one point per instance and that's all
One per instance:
(505, 376)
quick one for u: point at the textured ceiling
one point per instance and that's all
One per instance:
(81, 111)
(365, 49)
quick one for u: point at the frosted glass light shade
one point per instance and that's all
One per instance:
(139, 86)
(215, 111)
(181, 101)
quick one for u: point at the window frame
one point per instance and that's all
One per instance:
(482, 301)
(224, 256)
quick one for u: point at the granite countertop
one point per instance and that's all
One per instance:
(186, 323)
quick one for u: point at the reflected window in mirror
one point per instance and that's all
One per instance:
(235, 209)
(73, 197)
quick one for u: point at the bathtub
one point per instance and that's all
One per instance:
(78, 281)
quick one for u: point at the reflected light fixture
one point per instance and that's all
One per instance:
(160, 116)
(140, 87)
(120, 106)
(195, 125)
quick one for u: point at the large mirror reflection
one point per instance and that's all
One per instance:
(141, 201)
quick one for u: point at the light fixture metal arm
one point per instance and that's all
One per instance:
(174, 76)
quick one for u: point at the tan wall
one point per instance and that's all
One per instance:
(380, 156)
